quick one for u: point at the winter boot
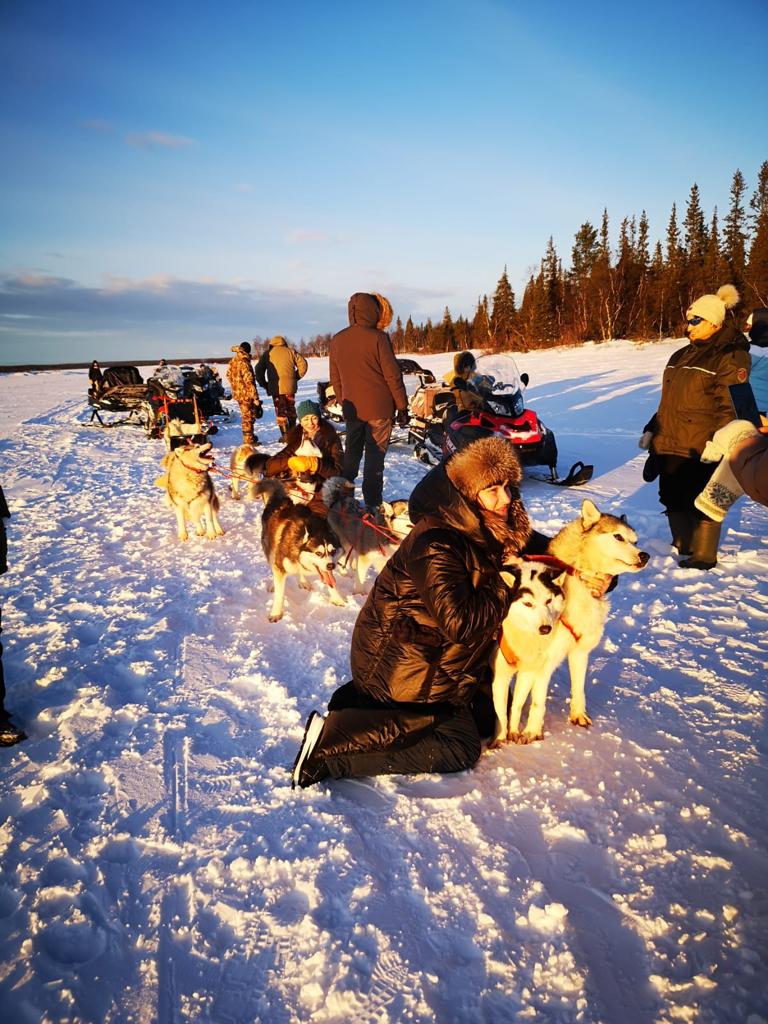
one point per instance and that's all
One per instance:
(682, 525)
(704, 543)
(9, 734)
(304, 773)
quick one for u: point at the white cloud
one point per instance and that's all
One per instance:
(158, 140)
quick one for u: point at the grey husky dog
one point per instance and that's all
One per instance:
(296, 542)
(365, 543)
(189, 490)
(589, 551)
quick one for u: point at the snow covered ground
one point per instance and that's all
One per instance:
(157, 867)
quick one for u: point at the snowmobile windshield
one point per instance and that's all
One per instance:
(502, 368)
(498, 378)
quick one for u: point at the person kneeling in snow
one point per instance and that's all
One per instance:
(312, 454)
(421, 642)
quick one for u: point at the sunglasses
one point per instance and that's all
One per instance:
(695, 320)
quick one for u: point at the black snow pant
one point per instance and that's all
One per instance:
(4, 716)
(372, 438)
(681, 480)
(362, 737)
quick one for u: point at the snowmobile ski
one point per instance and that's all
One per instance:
(578, 474)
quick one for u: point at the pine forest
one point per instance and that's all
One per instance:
(638, 289)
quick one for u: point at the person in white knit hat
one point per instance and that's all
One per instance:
(695, 402)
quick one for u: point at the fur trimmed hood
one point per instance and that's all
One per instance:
(369, 310)
(483, 463)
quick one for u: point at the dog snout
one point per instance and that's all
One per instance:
(545, 629)
(642, 558)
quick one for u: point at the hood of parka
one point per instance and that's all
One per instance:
(277, 341)
(364, 310)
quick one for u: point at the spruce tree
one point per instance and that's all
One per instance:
(756, 291)
(674, 305)
(735, 234)
(552, 294)
(695, 234)
(504, 314)
(481, 325)
(716, 269)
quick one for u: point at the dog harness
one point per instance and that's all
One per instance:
(507, 653)
(555, 563)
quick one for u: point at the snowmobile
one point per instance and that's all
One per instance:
(161, 409)
(437, 429)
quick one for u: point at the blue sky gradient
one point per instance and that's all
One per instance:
(179, 177)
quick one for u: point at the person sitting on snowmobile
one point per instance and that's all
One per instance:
(465, 396)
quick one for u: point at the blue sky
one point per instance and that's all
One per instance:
(179, 177)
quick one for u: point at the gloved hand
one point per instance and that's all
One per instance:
(258, 412)
(402, 417)
(645, 440)
(303, 463)
(726, 439)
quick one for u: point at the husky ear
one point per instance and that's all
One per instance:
(590, 514)
(387, 509)
(559, 581)
(512, 574)
(623, 518)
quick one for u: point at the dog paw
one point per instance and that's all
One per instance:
(525, 737)
(184, 536)
(580, 719)
(305, 585)
(338, 600)
(275, 618)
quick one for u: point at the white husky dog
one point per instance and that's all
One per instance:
(525, 644)
(591, 550)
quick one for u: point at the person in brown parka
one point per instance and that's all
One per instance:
(368, 384)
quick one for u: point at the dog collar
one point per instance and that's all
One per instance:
(555, 563)
(192, 468)
(576, 636)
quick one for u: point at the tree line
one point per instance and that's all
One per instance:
(636, 290)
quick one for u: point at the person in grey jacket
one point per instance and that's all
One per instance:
(368, 384)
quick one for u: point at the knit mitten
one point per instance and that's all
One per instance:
(726, 439)
(720, 493)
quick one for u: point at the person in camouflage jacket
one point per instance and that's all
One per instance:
(244, 390)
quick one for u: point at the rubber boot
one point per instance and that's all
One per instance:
(706, 537)
(682, 525)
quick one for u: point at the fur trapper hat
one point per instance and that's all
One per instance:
(385, 318)
(712, 307)
(483, 463)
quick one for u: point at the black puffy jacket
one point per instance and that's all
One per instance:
(695, 401)
(428, 625)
